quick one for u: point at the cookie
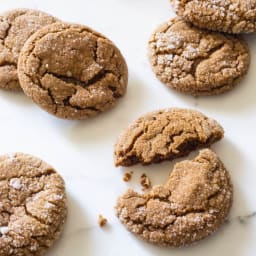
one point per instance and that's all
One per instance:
(33, 205)
(72, 71)
(164, 135)
(195, 61)
(16, 27)
(232, 16)
(192, 205)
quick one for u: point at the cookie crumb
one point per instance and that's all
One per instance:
(102, 221)
(145, 182)
(127, 176)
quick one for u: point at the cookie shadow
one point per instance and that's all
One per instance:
(239, 99)
(75, 239)
(16, 97)
(109, 124)
(235, 235)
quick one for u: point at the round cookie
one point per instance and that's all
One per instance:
(72, 71)
(16, 27)
(195, 61)
(232, 16)
(192, 205)
(33, 205)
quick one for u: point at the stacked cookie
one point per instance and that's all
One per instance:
(231, 16)
(191, 54)
(69, 70)
(72, 72)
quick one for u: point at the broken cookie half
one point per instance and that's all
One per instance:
(193, 203)
(164, 135)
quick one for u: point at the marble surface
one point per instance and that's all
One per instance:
(83, 151)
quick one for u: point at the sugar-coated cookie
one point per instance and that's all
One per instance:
(164, 135)
(33, 205)
(232, 16)
(72, 71)
(196, 61)
(192, 205)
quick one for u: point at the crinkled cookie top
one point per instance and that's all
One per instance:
(193, 203)
(164, 135)
(197, 61)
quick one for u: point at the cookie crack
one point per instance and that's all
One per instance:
(74, 81)
(6, 36)
(130, 157)
(45, 174)
(132, 144)
(199, 60)
(8, 63)
(151, 227)
(8, 31)
(28, 213)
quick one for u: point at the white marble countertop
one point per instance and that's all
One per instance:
(83, 151)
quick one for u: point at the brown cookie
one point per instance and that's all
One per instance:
(16, 27)
(72, 71)
(232, 16)
(32, 205)
(197, 61)
(165, 135)
(193, 203)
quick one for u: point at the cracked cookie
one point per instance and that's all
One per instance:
(16, 27)
(232, 16)
(165, 135)
(196, 61)
(192, 205)
(33, 205)
(72, 71)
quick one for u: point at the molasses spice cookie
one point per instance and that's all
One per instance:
(164, 135)
(196, 61)
(192, 205)
(32, 205)
(72, 71)
(16, 27)
(232, 16)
